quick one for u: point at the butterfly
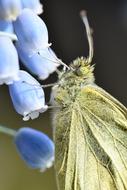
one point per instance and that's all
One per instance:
(90, 130)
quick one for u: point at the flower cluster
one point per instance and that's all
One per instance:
(24, 36)
(23, 33)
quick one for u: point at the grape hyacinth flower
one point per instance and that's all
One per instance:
(7, 30)
(6, 26)
(27, 96)
(9, 65)
(41, 64)
(10, 9)
(31, 32)
(34, 5)
(35, 148)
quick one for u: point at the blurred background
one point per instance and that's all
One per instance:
(66, 31)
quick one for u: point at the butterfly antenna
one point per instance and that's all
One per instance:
(43, 86)
(83, 15)
(57, 61)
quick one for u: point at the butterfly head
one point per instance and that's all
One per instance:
(80, 72)
(82, 68)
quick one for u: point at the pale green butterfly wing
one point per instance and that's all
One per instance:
(91, 143)
(107, 123)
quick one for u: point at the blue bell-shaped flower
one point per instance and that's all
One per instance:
(9, 65)
(6, 29)
(34, 5)
(27, 96)
(35, 148)
(41, 64)
(6, 26)
(31, 32)
(10, 9)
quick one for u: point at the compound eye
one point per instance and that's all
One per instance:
(79, 71)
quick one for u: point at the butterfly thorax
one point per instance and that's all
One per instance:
(71, 81)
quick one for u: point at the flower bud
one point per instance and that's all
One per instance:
(27, 96)
(35, 148)
(9, 65)
(41, 64)
(6, 26)
(31, 32)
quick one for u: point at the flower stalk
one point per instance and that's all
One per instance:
(7, 131)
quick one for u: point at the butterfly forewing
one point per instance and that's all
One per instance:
(91, 142)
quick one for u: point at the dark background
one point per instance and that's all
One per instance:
(66, 31)
(109, 22)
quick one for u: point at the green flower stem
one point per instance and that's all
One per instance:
(7, 131)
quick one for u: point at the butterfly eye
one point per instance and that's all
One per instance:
(79, 72)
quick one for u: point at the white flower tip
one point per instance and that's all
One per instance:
(39, 10)
(34, 114)
(43, 76)
(26, 118)
(8, 79)
(45, 107)
(48, 164)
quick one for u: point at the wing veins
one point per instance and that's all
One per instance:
(100, 134)
(92, 151)
(120, 154)
(98, 173)
(110, 99)
(106, 127)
